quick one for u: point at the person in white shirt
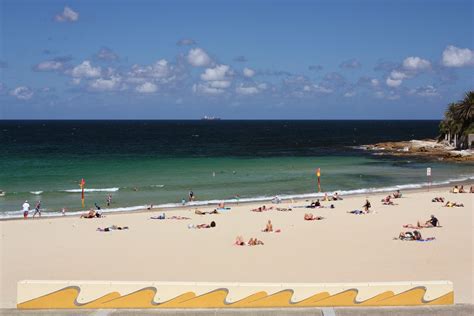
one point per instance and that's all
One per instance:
(26, 209)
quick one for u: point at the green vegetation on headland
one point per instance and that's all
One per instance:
(458, 122)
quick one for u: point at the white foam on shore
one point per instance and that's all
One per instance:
(46, 213)
(92, 190)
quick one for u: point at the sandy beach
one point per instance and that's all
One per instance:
(341, 248)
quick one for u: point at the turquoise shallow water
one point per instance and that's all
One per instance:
(136, 182)
(152, 168)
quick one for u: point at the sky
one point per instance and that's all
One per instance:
(234, 59)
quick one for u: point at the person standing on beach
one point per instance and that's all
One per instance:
(26, 209)
(37, 209)
(191, 195)
(109, 200)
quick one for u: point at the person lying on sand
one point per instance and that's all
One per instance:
(415, 235)
(438, 199)
(90, 214)
(113, 227)
(313, 204)
(262, 209)
(397, 195)
(453, 204)
(358, 212)
(269, 227)
(254, 242)
(198, 212)
(179, 217)
(432, 222)
(161, 216)
(311, 217)
(211, 225)
(387, 200)
(239, 241)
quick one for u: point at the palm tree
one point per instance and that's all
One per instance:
(458, 121)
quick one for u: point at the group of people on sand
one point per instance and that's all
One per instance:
(92, 214)
(239, 241)
(388, 199)
(26, 209)
(110, 228)
(262, 208)
(334, 197)
(365, 209)
(198, 212)
(460, 189)
(432, 222)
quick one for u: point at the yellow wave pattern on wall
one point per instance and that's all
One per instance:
(66, 298)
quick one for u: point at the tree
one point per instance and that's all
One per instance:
(458, 121)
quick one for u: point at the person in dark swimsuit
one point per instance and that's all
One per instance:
(432, 222)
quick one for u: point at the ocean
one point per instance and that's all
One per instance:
(158, 162)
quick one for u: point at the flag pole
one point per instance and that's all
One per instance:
(82, 185)
(318, 174)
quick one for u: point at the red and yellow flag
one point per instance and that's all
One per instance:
(82, 185)
(318, 174)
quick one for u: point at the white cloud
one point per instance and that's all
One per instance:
(204, 88)
(147, 87)
(198, 57)
(349, 94)
(22, 93)
(317, 88)
(426, 91)
(246, 90)
(393, 82)
(398, 75)
(223, 84)
(110, 84)
(374, 82)
(106, 54)
(49, 65)
(159, 70)
(396, 78)
(248, 72)
(217, 73)
(416, 64)
(86, 70)
(458, 57)
(68, 15)
(262, 86)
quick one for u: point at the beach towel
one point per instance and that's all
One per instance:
(426, 239)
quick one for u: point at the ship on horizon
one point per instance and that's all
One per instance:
(210, 118)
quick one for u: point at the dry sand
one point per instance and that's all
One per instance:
(341, 248)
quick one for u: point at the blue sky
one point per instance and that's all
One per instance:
(234, 59)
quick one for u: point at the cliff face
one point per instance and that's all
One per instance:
(427, 148)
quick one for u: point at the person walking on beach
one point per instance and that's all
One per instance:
(108, 200)
(26, 209)
(37, 209)
(367, 206)
(191, 195)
